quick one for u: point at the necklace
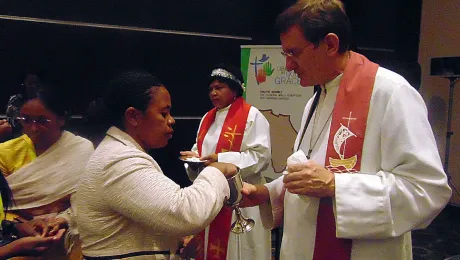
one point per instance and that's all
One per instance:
(311, 147)
(309, 117)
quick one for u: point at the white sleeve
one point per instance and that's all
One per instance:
(255, 152)
(136, 189)
(411, 187)
(272, 212)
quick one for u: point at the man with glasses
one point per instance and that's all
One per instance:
(366, 170)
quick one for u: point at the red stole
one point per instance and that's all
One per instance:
(345, 145)
(230, 139)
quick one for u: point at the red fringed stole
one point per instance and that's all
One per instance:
(345, 145)
(230, 139)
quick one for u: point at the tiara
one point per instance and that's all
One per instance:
(225, 74)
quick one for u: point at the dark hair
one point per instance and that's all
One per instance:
(317, 18)
(233, 85)
(5, 191)
(52, 100)
(129, 89)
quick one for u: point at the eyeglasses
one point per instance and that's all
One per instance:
(25, 120)
(294, 53)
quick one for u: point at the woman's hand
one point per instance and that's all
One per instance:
(228, 169)
(36, 227)
(30, 246)
(189, 154)
(210, 159)
(197, 167)
(56, 224)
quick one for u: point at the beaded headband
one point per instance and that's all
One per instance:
(225, 74)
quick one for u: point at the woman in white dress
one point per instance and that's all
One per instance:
(238, 133)
(127, 208)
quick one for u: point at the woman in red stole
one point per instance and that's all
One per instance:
(238, 133)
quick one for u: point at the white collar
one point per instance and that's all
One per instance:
(332, 84)
(123, 137)
(224, 108)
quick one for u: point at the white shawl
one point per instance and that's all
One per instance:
(52, 175)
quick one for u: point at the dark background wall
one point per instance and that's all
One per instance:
(81, 59)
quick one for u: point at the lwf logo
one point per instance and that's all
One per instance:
(262, 68)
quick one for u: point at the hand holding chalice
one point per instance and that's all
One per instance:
(235, 183)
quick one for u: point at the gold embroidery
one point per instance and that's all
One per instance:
(348, 163)
(216, 247)
(230, 135)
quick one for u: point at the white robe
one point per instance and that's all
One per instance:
(254, 157)
(401, 185)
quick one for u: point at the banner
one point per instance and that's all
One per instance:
(277, 93)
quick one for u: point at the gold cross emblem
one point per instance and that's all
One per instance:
(216, 247)
(230, 135)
